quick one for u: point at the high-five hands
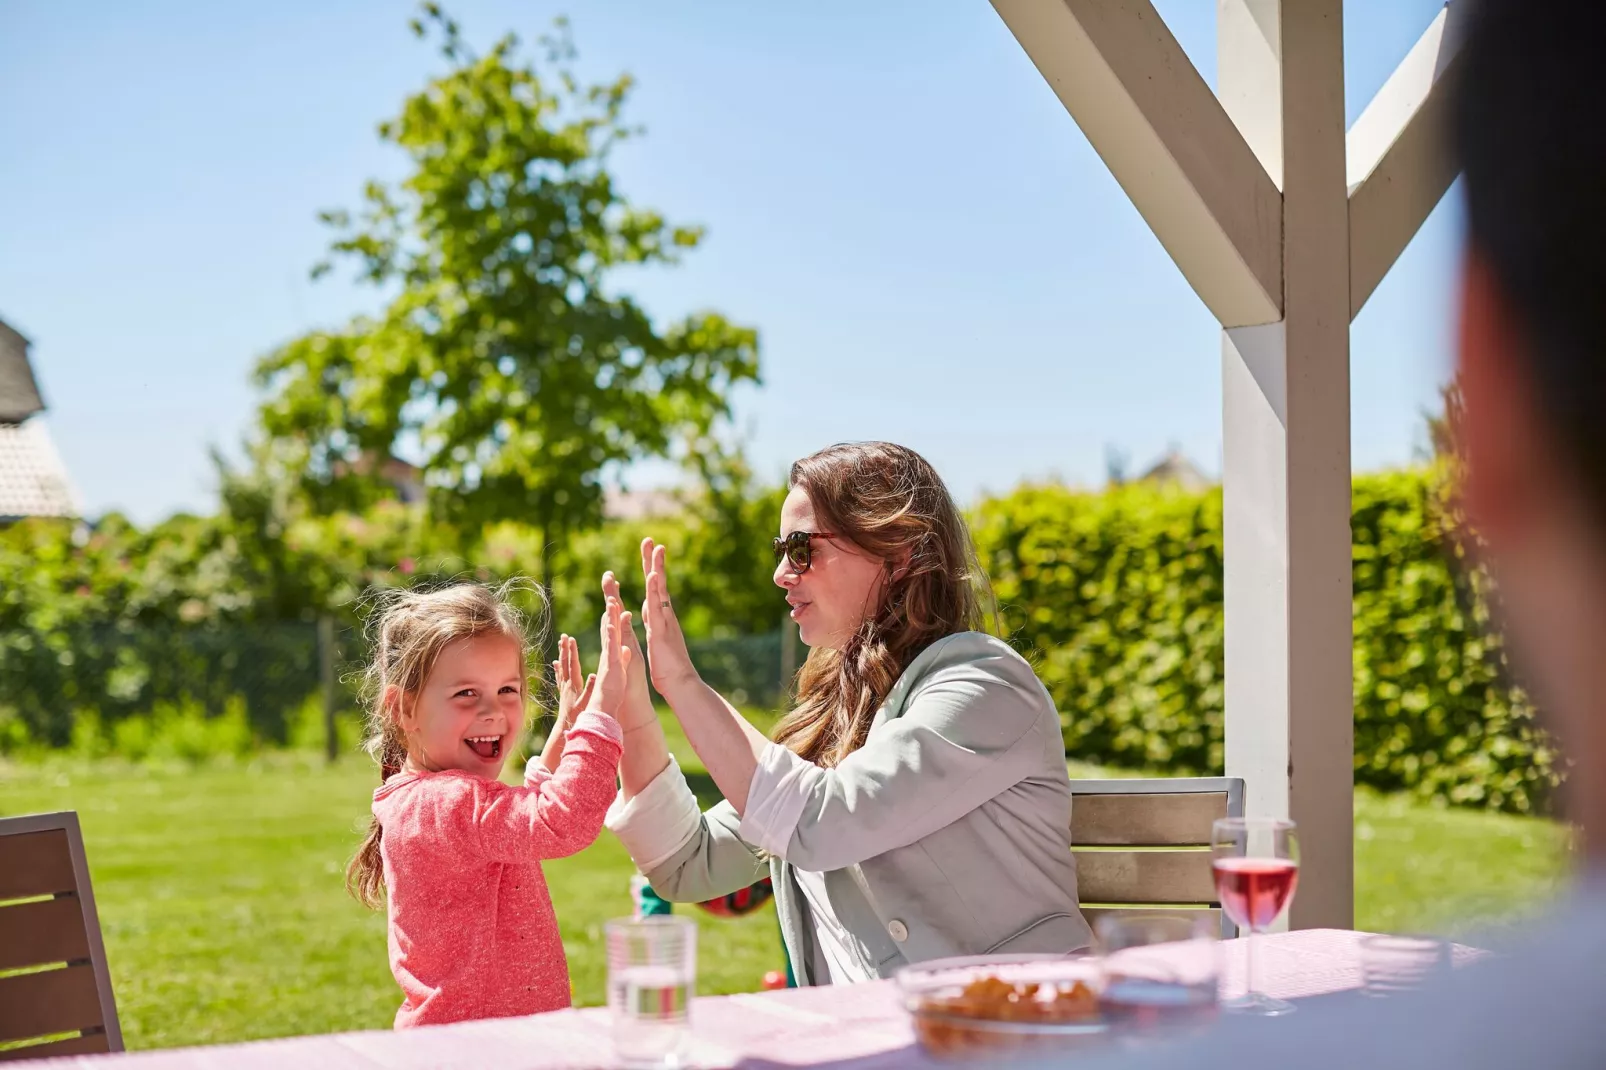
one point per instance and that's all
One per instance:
(667, 658)
(637, 709)
(613, 667)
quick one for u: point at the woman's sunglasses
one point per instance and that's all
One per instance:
(798, 548)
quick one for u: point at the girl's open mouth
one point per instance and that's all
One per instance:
(487, 747)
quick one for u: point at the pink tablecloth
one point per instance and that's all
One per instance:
(850, 1027)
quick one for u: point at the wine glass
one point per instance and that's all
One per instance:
(1257, 867)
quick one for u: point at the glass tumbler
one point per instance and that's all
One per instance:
(652, 972)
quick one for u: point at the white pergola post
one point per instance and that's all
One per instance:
(1286, 471)
(1283, 230)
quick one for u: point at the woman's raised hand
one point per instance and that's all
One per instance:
(667, 657)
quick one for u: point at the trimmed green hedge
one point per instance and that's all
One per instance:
(1116, 595)
(214, 619)
(1117, 598)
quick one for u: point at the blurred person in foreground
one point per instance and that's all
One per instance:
(1529, 124)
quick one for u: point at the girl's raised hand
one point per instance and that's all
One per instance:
(667, 656)
(573, 687)
(572, 698)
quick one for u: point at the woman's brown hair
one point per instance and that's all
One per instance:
(891, 504)
(408, 630)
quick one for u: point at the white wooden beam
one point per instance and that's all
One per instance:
(1286, 472)
(1121, 74)
(1252, 90)
(1399, 165)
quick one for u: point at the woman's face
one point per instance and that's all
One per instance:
(836, 594)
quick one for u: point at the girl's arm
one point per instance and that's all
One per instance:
(553, 816)
(556, 816)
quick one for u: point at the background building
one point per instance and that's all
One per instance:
(33, 481)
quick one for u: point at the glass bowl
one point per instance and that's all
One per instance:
(987, 1006)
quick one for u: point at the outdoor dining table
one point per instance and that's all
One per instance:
(846, 1027)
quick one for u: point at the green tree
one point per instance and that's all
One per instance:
(728, 566)
(505, 362)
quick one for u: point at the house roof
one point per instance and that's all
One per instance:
(19, 392)
(1174, 469)
(639, 504)
(32, 479)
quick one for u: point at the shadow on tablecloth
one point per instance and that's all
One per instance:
(910, 1056)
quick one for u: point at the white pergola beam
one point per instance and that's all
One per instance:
(1398, 164)
(1118, 70)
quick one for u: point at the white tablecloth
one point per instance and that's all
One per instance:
(849, 1027)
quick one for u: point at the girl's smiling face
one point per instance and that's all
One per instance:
(470, 710)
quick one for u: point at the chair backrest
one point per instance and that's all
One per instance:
(55, 990)
(1144, 845)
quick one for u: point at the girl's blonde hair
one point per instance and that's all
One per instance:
(891, 503)
(408, 629)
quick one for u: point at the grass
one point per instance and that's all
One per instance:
(1434, 869)
(221, 898)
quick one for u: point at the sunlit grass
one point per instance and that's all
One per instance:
(221, 896)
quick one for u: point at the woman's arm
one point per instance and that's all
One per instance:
(728, 745)
(969, 732)
(688, 856)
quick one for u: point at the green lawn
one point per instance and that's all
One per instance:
(221, 895)
(220, 891)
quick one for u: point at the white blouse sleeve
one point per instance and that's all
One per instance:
(658, 821)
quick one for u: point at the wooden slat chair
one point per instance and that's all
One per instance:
(55, 989)
(1144, 845)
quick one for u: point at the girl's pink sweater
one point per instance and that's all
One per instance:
(472, 930)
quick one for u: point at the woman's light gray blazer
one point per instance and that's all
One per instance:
(947, 833)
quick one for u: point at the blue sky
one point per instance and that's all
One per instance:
(931, 250)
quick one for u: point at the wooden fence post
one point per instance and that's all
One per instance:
(329, 685)
(789, 644)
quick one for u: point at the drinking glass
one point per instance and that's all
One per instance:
(1393, 964)
(1161, 972)
(1257, 867)
(652, 971)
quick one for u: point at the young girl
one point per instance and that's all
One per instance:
(472, 930)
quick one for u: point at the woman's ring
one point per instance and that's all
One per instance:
(663, 605)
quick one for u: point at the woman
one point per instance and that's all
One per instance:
(915, 804)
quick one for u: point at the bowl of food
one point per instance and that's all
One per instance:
(987, 1006)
